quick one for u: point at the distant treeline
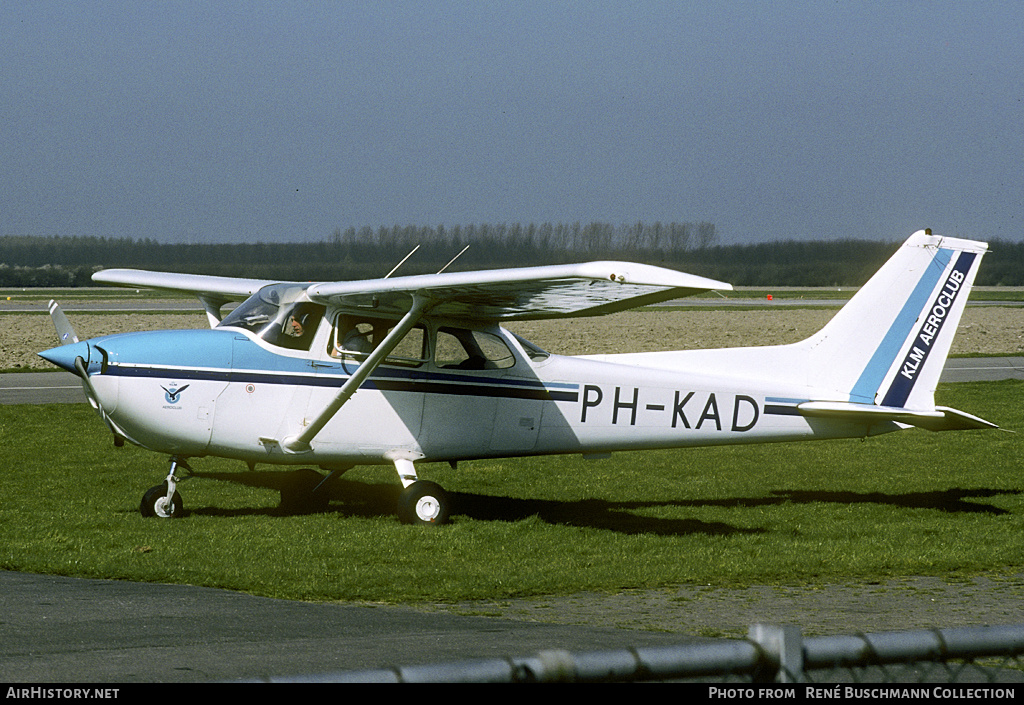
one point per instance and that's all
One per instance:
(372, 252)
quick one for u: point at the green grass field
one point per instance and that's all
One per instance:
(911, 503)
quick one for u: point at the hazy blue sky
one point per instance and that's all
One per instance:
(247, 121)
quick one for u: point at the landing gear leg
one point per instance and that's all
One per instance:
(163, 500)
(422, 501)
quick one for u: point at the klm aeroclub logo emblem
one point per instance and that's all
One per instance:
(173, 396)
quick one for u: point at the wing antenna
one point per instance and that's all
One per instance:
(402, 262)
(452, 260)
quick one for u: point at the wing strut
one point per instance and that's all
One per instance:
(300, 443)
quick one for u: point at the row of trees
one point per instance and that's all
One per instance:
(372, 252)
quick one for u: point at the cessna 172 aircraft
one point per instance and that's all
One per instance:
(413, 369)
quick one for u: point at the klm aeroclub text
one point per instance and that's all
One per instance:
(932, 324)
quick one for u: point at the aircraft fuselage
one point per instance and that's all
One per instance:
(228, 393)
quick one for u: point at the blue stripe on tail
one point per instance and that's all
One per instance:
(932, 320)
(871, 378)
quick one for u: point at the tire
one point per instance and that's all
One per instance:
(424, 503)
(154, 504)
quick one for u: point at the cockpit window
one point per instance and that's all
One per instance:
(464, 349)
(275, 314)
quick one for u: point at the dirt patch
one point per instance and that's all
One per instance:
(984, 330)
(24, 335)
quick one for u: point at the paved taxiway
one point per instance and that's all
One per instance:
(68, 630)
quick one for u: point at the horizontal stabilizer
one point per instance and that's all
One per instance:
(941, 419)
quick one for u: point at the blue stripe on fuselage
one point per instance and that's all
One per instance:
(213, 355)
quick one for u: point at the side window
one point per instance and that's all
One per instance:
(354, 338)
(459, 348)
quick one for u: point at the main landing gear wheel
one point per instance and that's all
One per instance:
(156, 504)
(424, 502)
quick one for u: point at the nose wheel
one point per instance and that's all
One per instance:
(157, 503)
(163, 501)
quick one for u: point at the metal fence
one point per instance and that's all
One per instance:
(770, 655)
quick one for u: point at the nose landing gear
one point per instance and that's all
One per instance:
(163, 501)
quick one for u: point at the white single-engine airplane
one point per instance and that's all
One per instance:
(416, 368)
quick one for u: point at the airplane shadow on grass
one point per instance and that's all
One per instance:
(372, 500)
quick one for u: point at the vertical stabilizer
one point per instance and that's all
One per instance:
(888, 345)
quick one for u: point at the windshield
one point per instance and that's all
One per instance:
(533, 351)
(276, 314)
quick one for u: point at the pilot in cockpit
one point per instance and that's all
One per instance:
(295, 327)
(300, 326)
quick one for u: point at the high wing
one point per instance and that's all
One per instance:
(212, 291)
(556, 291)
(230, 288)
